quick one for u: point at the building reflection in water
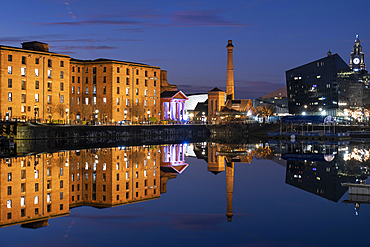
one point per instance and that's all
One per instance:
(358, 158)
(34, 189)
(38, 187)
(321, 169)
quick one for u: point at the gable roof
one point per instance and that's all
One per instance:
(173, 94)
(216, 89)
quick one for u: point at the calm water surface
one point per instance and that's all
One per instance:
(189, 204)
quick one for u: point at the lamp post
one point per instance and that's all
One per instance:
(35, 111)
(125, 112)
(67, 111)
(96, 115)
(148, 115)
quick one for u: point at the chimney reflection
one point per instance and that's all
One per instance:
(217, 154)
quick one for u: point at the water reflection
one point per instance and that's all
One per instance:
(38, 187)
(43, 186)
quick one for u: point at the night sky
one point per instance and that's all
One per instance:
(189, 38)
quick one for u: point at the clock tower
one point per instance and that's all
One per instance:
(357, 62)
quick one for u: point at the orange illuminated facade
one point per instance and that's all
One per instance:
(38, 84)
(33, 189)
(114, 176)
(111, 91)
(34, 83)
(36, 188)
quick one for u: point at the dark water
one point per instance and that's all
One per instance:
(270, 206)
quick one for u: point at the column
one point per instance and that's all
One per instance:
(177, 111)
(182, 113)
(170, 110)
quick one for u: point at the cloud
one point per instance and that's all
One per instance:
(54, 38)
(95, 40)
(91, 47)
(243, 89)
(27, 38)
(195, 18)
(88, 23)
(155, 60)
(201, 18)
(254, 89)
(131, 30)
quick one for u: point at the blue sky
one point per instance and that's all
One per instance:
(189, 38)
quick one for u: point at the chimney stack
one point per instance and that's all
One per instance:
(230, 72)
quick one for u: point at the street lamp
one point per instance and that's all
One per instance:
(35, 112)
(67, 111)
(96, 114)
(148, 115)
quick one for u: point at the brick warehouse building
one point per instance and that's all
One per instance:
(109, 90)
(37, 83)
(33, 82)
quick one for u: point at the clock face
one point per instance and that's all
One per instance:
(356, 60)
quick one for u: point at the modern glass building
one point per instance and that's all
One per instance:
(313, 88)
